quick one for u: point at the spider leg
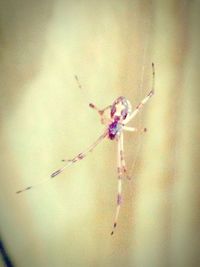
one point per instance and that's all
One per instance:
(122, 158)
(91, 105)
(133, 129)
(104, 119)
(80, 156)
(100, 111)
(130, 129)
(145, 100)
(119, 188)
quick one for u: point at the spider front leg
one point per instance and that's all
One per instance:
(119, 187)
(145, 100)
(93, 106)
(104, 119)
(80, 156)
(101, 112)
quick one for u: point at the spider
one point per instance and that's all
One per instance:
(115, 119)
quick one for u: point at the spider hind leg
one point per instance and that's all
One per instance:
(119, 187)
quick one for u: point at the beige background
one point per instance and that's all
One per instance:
(44, 117)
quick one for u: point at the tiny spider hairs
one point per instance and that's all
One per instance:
(119, 114)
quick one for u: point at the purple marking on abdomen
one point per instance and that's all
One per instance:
(113, 130)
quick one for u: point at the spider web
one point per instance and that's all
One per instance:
(141, 94)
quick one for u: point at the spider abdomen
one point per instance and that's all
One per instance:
(113, 129)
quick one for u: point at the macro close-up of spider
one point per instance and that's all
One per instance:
(99, 113)
(118, 116)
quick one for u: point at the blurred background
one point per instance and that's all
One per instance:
(44, 117)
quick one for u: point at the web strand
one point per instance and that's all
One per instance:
(140, 89)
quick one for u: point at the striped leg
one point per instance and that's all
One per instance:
(104, 119)
(122, 158)
(145, 100)
(119, 189)
(100, 111)
(80, 87)
(80, 156)
(91, 105)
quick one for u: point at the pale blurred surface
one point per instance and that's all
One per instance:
(44, 117)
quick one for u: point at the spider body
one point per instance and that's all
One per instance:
(114, 130)
(115, 119)
(119, 111)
